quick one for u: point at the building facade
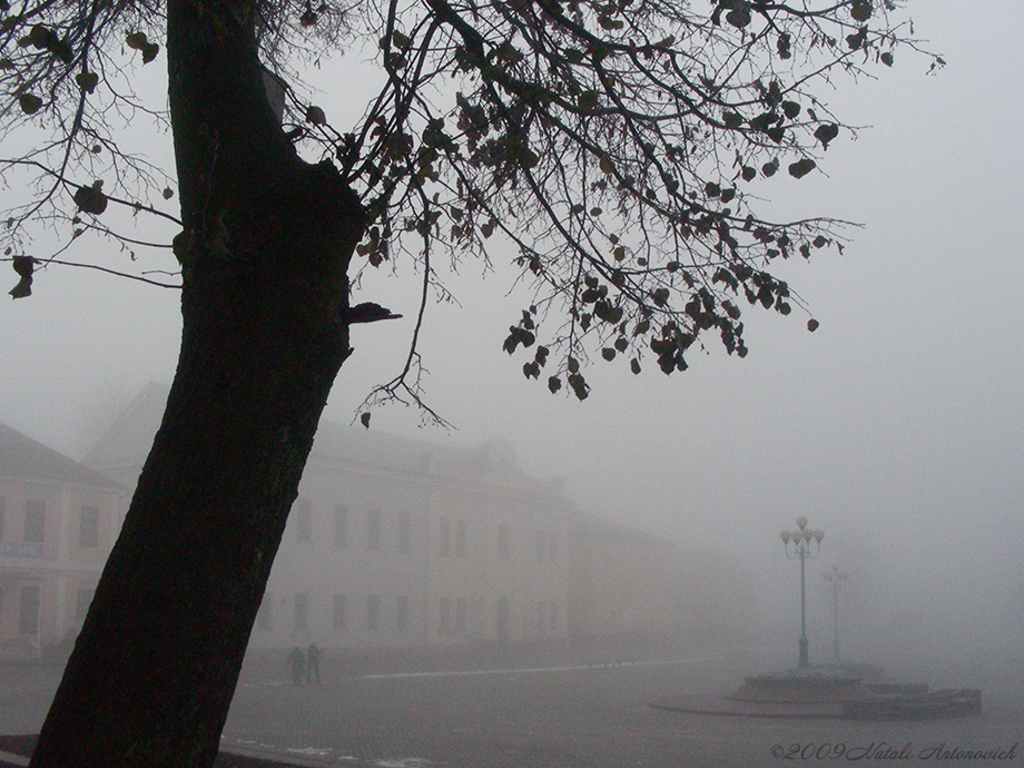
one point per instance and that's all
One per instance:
(394, 542)
(58, 520)
(624, 584)
(402, 543)
(398, 543)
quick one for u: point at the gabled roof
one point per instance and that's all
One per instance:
(23, 458)
(130, 437)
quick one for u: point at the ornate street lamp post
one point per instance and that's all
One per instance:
(801, 541)
(834, 579)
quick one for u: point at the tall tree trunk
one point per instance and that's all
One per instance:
(265, 249)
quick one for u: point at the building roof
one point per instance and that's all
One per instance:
(493, 462)
(23, 458)
(130, 437)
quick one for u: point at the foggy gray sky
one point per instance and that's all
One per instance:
(897, 426)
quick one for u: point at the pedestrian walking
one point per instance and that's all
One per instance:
(297, 664)
(313, 654)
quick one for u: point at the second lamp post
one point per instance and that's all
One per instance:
(801, 541)
(835, 579)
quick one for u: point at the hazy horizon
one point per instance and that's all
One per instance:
(897, 427)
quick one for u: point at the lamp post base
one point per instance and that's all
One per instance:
(804, 663)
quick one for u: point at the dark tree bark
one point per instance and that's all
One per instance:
(265, 248)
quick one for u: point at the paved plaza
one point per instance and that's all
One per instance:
(552, 712)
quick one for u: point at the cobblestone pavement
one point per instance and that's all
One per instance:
(555, 713)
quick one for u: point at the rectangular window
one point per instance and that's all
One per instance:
(445, 618)
(338, 612)
(35, 521)
(504, 543)
(404, 531)
(265, 616)
(89, 528)
(373, 530)
(444, 537)
(401, 613)
(303, 519)
(301, 611)
(372, 613)
(460, 615)
(28, 615)
(341, 526)
(461, 545)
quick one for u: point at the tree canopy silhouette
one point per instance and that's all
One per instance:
(620, 150)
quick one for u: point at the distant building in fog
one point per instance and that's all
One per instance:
(626, 584)
(58, 520)
(394, 543)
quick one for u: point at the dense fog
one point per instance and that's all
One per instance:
(896, 428)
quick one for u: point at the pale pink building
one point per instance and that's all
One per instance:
(58, 520)
(402, 543)
(396, 542)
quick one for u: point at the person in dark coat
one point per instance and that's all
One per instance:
(297, 664)
(313, 654)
